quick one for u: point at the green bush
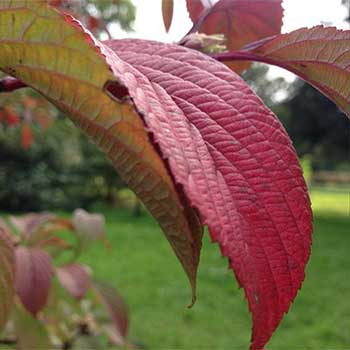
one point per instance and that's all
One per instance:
(61, 170)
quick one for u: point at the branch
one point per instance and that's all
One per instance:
(9, 84)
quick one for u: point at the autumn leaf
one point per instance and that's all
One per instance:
(190, 133)
(318, 55)
(75, 279)
(115, 308)
(52, 53)
(33, 277)
(26, 136)
(7, 274)
(196, 7)
(238, 168)
(241, 21)
(167, 11)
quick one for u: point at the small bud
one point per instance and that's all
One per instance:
(205, 43)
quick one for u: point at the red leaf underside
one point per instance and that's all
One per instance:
(237, 166)
(318, 55)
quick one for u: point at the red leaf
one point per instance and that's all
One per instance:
(93, 22)
(237, 165)
(75, 279)
(26, 136)
(114, 305)
(318, 55)
(242, 22)
(195, 8)
(33, 277)
(7, 274)
(167, 11)
(12, 118)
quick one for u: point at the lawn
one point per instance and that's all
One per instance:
(147, 273)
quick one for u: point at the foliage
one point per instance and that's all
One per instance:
(325, 139)
(46, 248)
(53, 174)
(188, 135)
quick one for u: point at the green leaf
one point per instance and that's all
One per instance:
(31, 333)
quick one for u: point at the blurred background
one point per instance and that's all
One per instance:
(47, 164)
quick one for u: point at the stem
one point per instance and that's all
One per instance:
(9, 84)
(240, 56)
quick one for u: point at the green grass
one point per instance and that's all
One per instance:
(151, 280)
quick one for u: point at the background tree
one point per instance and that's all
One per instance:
(51, 174)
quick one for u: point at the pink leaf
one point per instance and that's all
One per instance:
(114, 305)
(167, 11)
(318, 55)
(75, 278)
(33, 277)
(237, 165)
(196, 7)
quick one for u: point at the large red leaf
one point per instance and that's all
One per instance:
(237, 166)
(53, 54)
(230, 154)
(33, 277)
(241, 21)
(318, 55)
(7, 274)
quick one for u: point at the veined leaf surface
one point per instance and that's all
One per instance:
(53, 54)
(237, 165)
(318, 55)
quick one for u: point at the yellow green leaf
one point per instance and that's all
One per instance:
(53, 54)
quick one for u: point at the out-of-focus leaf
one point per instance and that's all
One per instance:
(75, 278)
(86, 342)
(26, 136)
(242, 22)
(7, 275)
(115, 307)
(33, 277)
(89, 226)
(28, 224)
(318, 55)
(30, 332)
(167, 11)
(52, 53)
